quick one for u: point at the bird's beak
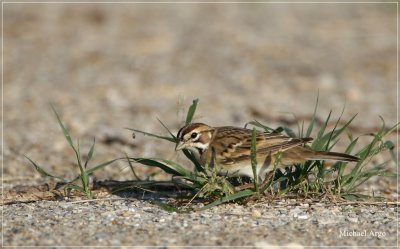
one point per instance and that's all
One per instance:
(180, 145)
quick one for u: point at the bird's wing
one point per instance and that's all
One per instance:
(236, 145)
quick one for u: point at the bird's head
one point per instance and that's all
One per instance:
(196, 136)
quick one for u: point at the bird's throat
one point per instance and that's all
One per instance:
(199, 149)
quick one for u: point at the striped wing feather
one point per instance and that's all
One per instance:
(236, 145)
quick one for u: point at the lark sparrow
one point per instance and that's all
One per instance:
(231, 148)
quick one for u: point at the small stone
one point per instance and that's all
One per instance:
(302, 216)
(352, 219)
(100, 236)
(200, 205)
(255, 213)
(204, 215)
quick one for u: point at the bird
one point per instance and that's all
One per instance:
(230, 149)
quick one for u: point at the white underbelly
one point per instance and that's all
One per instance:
(245, 170)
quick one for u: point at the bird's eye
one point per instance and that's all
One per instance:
(194, 135)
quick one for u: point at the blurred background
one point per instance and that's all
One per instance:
(105, 67)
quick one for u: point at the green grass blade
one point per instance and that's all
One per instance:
(68, 138)
(191, 111)
(90, 154)
(187, 185)
(131, 167)
(316, 144)
(93, 169)
(258, 124)
(334, 128)
(354, 196)
(351, 146)
(182, 170)
(289, 132)
(254, 158)
(390, 146)
(166, 165)
(193, 159)
(377, 171)
(341, 165)
(323, 142)
(302, 129)
(84, 175)
(394, 128)
(238, 195)
(85, 184)
(102, 165)
(64, 130)
(42, 171)
(366, 175)
(279, 129)
(75, 187)
(168, 130)
(78, 149)
(332, 145)
(85, 179)
(194, 181)
(337, 133)
(367, 152)
(167, 207)
(324, 125)
(152, 135)
(313, 120)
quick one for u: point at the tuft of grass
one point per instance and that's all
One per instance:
(307, 178)
(85, 172)
(254, 158)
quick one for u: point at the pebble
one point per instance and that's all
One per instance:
(255, 213)
(304, 205)
(352, 219)
(302, 216)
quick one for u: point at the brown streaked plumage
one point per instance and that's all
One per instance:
(232, 148)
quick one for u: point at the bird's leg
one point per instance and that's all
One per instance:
(249, 185)
(266, 179)
(261, 186)
(244, 186)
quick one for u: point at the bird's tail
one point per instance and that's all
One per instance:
(324, 155)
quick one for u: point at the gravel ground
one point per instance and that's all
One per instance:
(135, 222)
(109, 66)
